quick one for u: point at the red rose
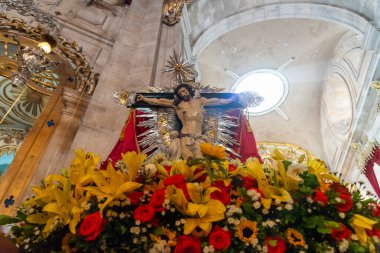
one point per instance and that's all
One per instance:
(231, 168)
(219, 238)
(341, 233)
(168, 168)
(376, 210)
(374, 232)
(248, 183)
(275, 244)
(201, 178)
(221, 185)
(135, 197)
(339, 188)
(157, 199)
(144, 213)
(222, 196)
(176, 180)
(347, 205)
(187, 243)
(179, 182)
(91, 226)
(321, 198)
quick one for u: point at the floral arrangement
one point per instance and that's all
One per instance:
(205, 205)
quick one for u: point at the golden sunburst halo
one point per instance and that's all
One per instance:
(179, 69)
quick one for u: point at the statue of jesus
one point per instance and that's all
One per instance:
(190, 111)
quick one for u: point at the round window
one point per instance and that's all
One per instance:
(269, 84)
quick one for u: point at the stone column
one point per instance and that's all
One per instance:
(129, 66)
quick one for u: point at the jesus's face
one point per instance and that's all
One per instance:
(184, 94)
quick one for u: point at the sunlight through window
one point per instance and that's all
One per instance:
(270, 84)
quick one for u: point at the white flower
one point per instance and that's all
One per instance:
(309, 200)
(342, 215)
(254, 242)
(289, 206)
(294, 170)
(359, 205)
(265, 211)
(150, 169)
(338, 200)
(343, 245)
(265, 249)
(256, 205)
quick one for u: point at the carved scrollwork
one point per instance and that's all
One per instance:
(85, 77)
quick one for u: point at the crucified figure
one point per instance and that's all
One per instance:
(190, 111)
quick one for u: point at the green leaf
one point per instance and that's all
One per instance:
(310, 180)
(323, 230)
(5, 219)
(158, 231)
(331, 224)
(123, 229)
(301, 158)
(286, 163)
(313, 221)
(272, 243)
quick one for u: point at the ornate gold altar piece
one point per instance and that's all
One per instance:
(172, 11)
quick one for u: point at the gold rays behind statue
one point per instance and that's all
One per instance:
(179, 69)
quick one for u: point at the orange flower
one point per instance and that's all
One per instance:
(294, 237)
(216, 151)
(247, 230)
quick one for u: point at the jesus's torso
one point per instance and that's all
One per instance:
(191, 115)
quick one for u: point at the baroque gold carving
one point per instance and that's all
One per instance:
(85, 78)
(172, 11)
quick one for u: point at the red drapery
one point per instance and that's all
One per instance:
(370, 173)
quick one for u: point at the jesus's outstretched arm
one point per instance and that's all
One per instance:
(156, 101)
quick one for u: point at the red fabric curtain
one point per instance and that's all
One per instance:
(370, 173)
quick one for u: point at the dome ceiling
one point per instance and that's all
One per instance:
(307, 45)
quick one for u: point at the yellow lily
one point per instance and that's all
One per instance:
(319, 169)
(82, 166)
(65, 205)
(111, 184)
(215, 151)
(43, 195)
(276, 155)
(203, 210)
(255, 170)
(181, 167)
(133, 161)
(360, 224)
